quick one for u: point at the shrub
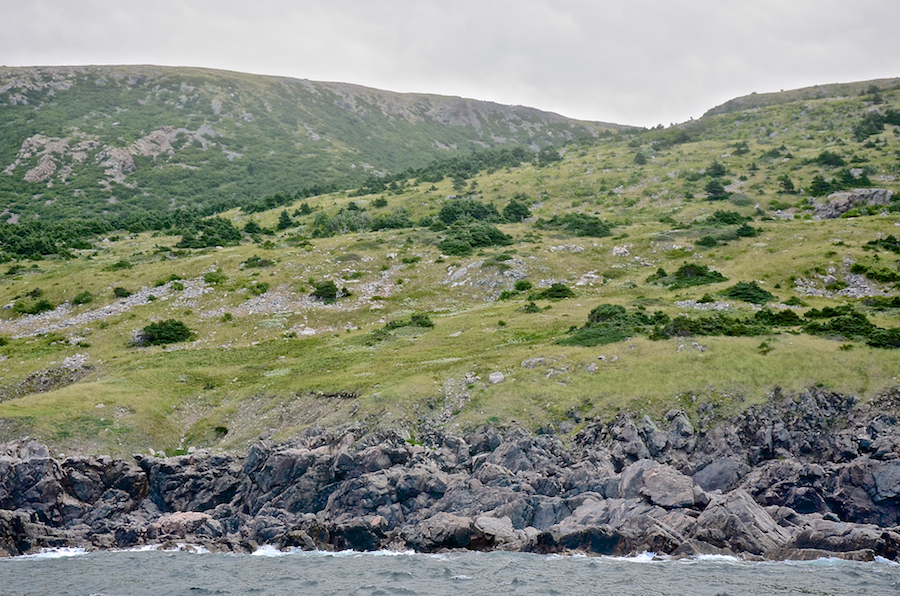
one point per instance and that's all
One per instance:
(715, 191)
(556, 291)
(749, 292)
(610, 323)
(384, 333)
(689, 274)
(33, 308)
(531, 307)
(166, 332)
(726, 218)
(783, 318)
(214, 277)
(522, 285)
(259, 288)
(516, 210)
(461, 209)
(120, 292)
(576, 224)
(256, 262)
(379, 203)
(707, 242)
(463, 237)
(119, 265)
(82, 298)
(325, 291)
(284, 221)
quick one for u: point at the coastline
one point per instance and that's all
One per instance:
(796, 479)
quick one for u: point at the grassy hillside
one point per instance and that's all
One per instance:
(120, 141)
(726, 272)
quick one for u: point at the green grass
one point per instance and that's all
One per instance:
(277, 362)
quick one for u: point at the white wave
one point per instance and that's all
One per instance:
(267, 550)
(56, 553)
(644, 557)
(724, 558)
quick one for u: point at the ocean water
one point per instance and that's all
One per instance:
(269, 572)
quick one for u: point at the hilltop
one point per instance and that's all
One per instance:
(119, 141)
(560, 275)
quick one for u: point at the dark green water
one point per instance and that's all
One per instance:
(383, 574)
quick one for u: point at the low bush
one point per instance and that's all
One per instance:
(257, 262)
(749, 292)
(33, 307)
(556, 291)
(326, 291)
(576, 224)
(689, 274)
(82, 298)
(214, 277)
(165, 332)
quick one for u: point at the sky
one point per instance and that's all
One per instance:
(636, 62)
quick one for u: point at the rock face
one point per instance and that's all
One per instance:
(817, 475)
(843, 201)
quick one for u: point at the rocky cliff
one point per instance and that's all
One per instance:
(800, 477)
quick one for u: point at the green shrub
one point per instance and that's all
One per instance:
(516, 210)
(33, 307)
(556, 291)
(749, 292)
(707, 242)
(259, 288)
(214, 277)
(120, 292)
(783, 318)
(463, 209)
(166, 332)
(326, 291)
(257, 262)
(463, 237)
(689, 274)
(531, 308)
(119, 265)
(576, 224)
(82, 298)
(890, 243)
(522, 285)
(610, 323)
(726, 218)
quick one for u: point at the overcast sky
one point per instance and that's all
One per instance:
(640, 62)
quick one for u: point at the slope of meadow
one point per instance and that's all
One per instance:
(433, 305)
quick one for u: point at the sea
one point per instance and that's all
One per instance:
(64, 572)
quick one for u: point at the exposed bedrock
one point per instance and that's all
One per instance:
(797, 478)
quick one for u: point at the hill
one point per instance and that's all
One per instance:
(706, 267)
(121, 141)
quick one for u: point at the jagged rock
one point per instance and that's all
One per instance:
(812, 474)
(738, 522)
(840, 202)
(443, 530)
(658, 484)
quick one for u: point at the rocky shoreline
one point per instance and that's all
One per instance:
(799, 478)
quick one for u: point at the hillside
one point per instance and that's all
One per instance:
(119, 141)
(706, 267)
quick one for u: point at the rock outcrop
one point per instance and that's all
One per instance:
(839, 203)
(798, 478)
